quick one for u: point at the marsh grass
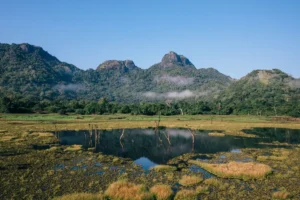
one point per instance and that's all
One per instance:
(275, 158)
(81, 196)
(42, 134)
(74, 147)
(186, 195)
(202, 190)
(122, 190)
(164, 168)
(162, 192)
(246, 170)
(6, 138)
(190, 180)
(212, 182)
(277, 155)
(216, 134)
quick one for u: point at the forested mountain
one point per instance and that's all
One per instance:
(30, 74)
(263, 92)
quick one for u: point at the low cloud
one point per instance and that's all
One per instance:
(69, 87)
(179, 133)
(178, 80)
(170, 95)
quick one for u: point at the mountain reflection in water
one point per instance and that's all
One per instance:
(161, 146)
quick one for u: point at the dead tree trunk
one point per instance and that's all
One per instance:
(122, 135)
(167, 137)
(181, 111)
(193, 138)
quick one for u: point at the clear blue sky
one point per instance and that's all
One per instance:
(233, 36)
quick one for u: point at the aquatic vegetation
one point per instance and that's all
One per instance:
(216, 134)
(281, 195)
(122, 190)
(28, 173)
(190, 180)
(162, 192)
(246, 170)
(164, 168)
(186, 195)
(81, 196)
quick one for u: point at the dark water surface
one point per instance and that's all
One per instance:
(149, 148)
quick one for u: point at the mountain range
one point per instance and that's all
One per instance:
(32, 72)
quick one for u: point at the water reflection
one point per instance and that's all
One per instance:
(149, 146)
(291, 136)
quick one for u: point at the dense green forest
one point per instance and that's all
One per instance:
(32, 80)
(18, 104)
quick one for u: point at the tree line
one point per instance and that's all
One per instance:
(19, 104)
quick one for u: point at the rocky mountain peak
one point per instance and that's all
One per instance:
(117, 64)
(173, 59)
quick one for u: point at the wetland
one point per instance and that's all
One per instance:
(181, 159)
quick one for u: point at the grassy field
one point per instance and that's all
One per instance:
(126, 117)
(231, 125)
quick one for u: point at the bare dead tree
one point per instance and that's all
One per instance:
(55, 130)
(122, 135)
(219, 108)
(122, 146)
(167, 137)
(181, 111)
(157, 123)
(192, 132)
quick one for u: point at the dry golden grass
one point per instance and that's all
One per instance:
(247, 170)
(233, 125)
(81, 196)
(43, 134)
(216, 134)
(186, 195)
(164, 168)
(162, 192)
(74, 147)
(280, 195)
(122, 190)
(190, 180)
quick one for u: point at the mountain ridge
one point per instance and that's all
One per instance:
(33, 72)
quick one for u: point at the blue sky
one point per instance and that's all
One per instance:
(233, 36)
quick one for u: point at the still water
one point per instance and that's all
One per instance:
(149, 147)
